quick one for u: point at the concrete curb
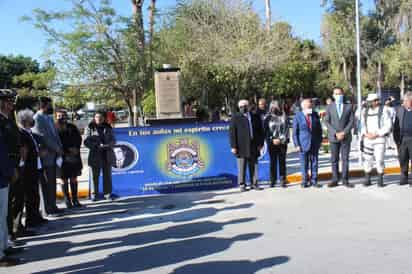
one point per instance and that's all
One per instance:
(292, 178)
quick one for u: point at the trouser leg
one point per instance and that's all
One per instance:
(273, 164)
(368, 156)
(304, 164)
(379, 153)
(282, 161)
(107, 179)
(50, 174)
(4, 236)
(241, 171)
(15, 207)
(404, 159)
(95, 181)
(345, 150)
(253, 171)
(32, 199)
(74, 190)
(335, 149)
(314, 155)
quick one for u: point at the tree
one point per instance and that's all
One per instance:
(338, 33)
(100, 50)
(12, 66)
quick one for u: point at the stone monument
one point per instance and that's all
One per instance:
(167, 91)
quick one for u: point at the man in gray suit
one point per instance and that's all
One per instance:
(339, 121)
(50, 152)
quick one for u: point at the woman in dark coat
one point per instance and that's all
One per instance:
(277, 138)
(72, 163)
(100, 141)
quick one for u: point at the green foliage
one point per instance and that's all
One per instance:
(12, 66)
(149, 103)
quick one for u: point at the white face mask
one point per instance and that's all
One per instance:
(308, 111)
(338, 98)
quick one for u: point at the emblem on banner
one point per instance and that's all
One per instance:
(183, 157)
(126, 156)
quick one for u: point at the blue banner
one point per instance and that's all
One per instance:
(152, 160)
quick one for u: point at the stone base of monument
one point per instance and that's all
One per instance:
(171, 121)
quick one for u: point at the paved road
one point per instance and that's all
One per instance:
(361, 230)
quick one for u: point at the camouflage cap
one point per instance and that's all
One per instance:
(7, 94)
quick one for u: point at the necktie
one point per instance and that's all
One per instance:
(339, 107)
(308, 121)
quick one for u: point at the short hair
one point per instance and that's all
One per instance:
(408, 96)
(339, 88)
(61, 110)
(24, 115)
(44, 101)
(242, 103)
(303, 101)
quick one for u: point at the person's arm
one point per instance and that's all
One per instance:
(328, 121)
(90, 141)
(348, 129)
(296, 131)
(6, 168)
(233, 134)
(41, 130)
(386, 124)
(397, 130)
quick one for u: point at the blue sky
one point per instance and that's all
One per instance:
(21, 38)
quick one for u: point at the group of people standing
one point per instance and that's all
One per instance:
(375, 125)
(38, 151)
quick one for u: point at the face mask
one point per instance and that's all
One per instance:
(243, 110)
(50, 110)
(61, 121)
(338, 99)
(308, 111)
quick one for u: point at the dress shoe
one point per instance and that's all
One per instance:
(77, 204)
(256, 187)
(317, 185)
(333, 184)
(8, 261)
(13, 251)
(367, 180)
(380, 180)
(403, 181)
(25, 233)
(347, 184)
(304, 185)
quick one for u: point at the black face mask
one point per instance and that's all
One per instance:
(243, 110)
(50, 110)
(62, 121)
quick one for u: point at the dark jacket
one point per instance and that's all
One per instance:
(276, 127)
(7, 167)
(72, 163)
(31, 158)
(398, 125)
(99, 156)
(240, 138)
(334, 124)
(304, 137)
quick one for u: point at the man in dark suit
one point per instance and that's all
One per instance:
(339, 120)
(402, 134)
(307, 137)
(246, 141)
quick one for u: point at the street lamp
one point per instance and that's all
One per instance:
(358, 72)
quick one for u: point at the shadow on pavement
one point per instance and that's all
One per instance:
(231, 267)
(156, 255)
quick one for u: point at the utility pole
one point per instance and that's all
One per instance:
(268, 16)
(358, 70)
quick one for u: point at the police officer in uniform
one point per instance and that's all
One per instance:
(11, 137)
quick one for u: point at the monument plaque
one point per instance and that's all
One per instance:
(167, 90)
